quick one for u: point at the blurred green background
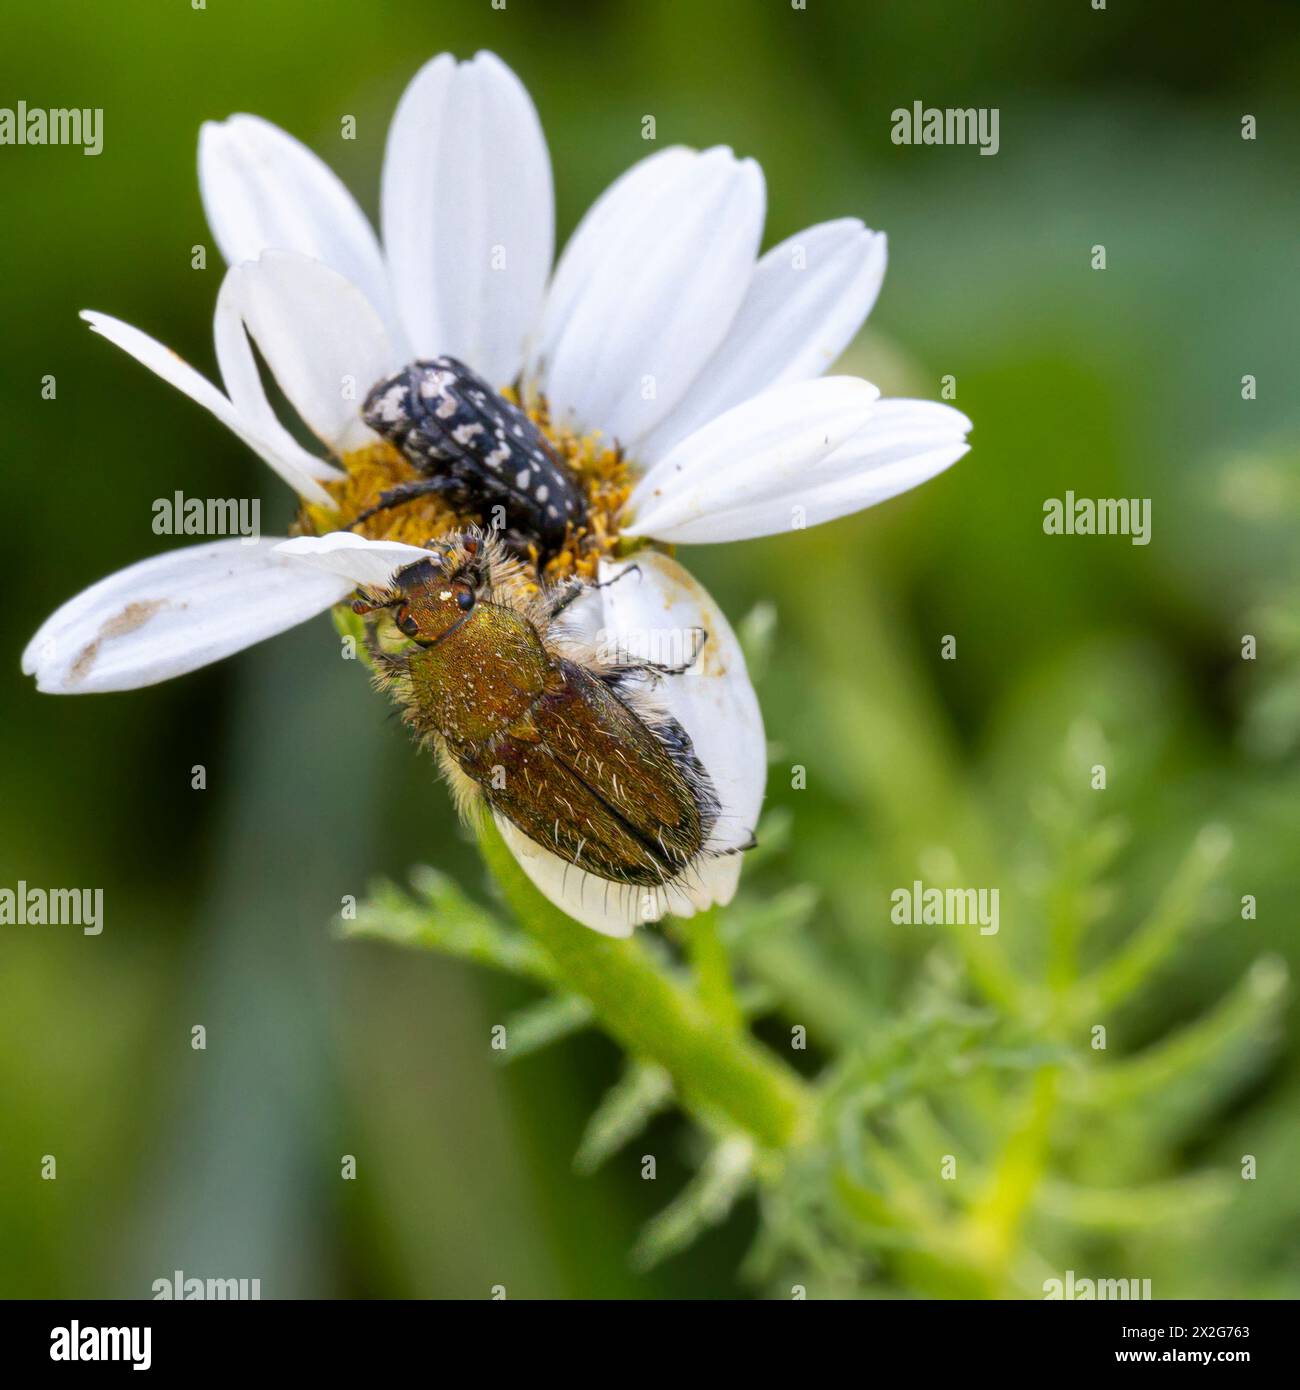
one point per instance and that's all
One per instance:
(1119, 127)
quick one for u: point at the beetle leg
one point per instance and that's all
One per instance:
(619, 671)
(751, 843)
(576, 590)
(401, 494)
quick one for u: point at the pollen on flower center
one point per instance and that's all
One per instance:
(600, 469)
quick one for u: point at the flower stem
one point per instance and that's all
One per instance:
(715, 1069)
(709, 961)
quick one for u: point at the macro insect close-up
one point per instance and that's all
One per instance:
(569, 753)
(681, 661)
(471, 445)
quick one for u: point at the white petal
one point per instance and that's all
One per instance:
(806, 301)
(265, 191)
(468, 213)
(757, 450)
(353, 557)
(243, 383)
(640, 185)
(324, 343)
(903, 444)
(610, 908)
(647, 288)
(653, 613)
(177, 372)
(174, 613)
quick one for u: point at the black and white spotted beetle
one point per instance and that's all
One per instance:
(476, 449)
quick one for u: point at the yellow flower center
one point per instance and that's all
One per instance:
(599, 469)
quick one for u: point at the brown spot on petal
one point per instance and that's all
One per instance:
(85, 660)
(133, 616)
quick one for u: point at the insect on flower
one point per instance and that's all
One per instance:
(476, 449)
(661, 281)
(570, 749)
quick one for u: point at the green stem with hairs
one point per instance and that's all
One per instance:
(712, 968)
(716, 1069)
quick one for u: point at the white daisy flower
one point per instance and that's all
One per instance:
(672, 367)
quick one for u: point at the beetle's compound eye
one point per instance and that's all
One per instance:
(406, 622)
(464, 596)
(470, 545)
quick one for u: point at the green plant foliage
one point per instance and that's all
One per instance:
(1123, 908)
(1004, 1116)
